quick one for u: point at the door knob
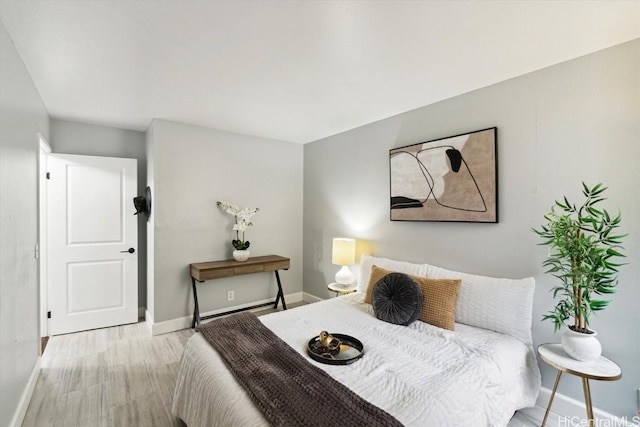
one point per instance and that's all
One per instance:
(130, 250)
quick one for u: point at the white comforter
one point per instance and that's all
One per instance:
(420, 374)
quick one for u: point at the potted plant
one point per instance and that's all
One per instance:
(242, 220)
(582, 249)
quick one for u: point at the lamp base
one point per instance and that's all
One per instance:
(345, 276)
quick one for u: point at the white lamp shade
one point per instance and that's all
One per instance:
(344, 254)
(344, 251)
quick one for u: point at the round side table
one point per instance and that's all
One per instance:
(341, 289)
(601, 369)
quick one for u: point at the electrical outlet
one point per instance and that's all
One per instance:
(231, 295)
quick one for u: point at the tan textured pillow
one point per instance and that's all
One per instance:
(377, 273)
(440, 295)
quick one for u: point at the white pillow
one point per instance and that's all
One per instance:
(501, 305)
(368, 261)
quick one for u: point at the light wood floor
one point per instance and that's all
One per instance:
(122, 377)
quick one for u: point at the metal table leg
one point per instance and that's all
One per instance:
(553, 393)
(587, 400)
(196, 308)
(280, 293)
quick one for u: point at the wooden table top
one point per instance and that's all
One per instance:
(202, 271)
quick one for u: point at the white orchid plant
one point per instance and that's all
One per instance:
(242, 221)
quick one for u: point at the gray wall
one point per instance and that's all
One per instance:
(22, 116)
(193, 168)
(576, 121)
(92, 140)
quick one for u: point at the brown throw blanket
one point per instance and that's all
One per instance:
(287, 388)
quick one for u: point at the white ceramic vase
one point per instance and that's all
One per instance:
(241, 255)
(583, 347)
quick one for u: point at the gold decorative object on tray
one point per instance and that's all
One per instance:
(327, 343)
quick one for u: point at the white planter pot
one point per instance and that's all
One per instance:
(583, 347)
(241, 254)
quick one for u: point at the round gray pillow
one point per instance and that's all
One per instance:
(397, 299)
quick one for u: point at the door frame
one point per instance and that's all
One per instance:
(41, 250)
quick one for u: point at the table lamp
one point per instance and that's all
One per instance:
(344, 254)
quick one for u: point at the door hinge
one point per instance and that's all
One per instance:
(48, 315)
(37, 251)
(48, 175)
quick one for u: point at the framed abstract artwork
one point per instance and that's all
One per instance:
(450, 179)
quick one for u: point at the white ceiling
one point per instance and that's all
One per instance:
(291, 70)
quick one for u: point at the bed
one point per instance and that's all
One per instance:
(421, 374)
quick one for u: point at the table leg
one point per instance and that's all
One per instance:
(553, 393)
(587, 400)
(196, 309)
(280, 293)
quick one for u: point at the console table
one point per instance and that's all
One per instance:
(228, 268)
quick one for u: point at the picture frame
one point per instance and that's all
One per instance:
(452, 179)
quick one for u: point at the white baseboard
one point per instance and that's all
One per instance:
(571, 412)
(307, 297)
(23, 405)
(185, 322)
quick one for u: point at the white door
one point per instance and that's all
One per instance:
(93, 258)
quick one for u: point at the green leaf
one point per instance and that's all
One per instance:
(613, 252)
(618, 237)
(594, 211)
(597, 305)
(597, 189)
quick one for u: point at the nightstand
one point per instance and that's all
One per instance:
(341, 289)
(601, 369)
